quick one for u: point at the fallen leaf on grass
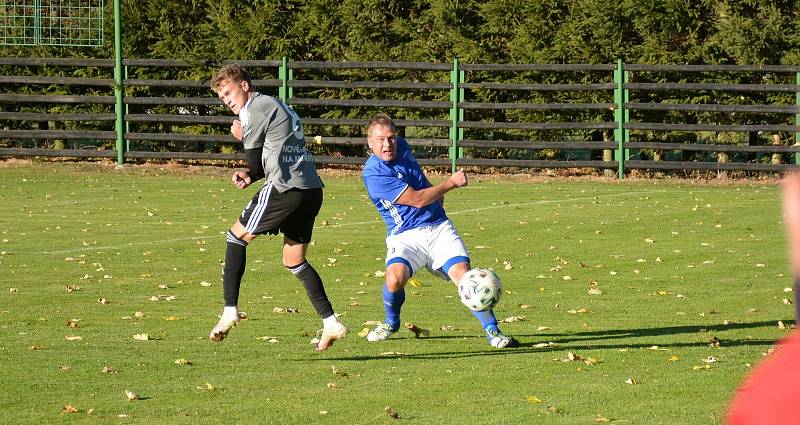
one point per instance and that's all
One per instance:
(206, 387)
(338, 372)
(73, 337)
(183, 362)
(393, 353)
(72, 323)
(534, 399)
(656, 348)
(601, 419)
(131, 395)
(364, 332)
(68, 408)
(417, 330)
(552, 409)
(391, 413)
(631, 381)
(287, 310)
(415, 282)
(109, 369)
(572, 357)
(142, 337)
(102, 301)
(578, 311)
(512, 319)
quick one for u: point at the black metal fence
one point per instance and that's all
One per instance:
(614, 117)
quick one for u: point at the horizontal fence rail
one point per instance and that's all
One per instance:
(610, 117)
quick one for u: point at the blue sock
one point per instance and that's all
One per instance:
(392, 302)
(486, 318)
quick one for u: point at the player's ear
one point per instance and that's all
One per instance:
(245, 86)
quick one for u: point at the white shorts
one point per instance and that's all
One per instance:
(435, 247)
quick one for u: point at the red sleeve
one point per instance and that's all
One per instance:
(771, 393)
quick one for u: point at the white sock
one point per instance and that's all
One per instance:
(330, 321)
(230, 313)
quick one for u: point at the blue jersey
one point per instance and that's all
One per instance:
(386, 181)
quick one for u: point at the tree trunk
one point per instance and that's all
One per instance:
(777, 157)
(608, 155)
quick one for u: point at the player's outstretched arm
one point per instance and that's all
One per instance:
(429, 195)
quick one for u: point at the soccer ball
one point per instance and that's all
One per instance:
(479, 289)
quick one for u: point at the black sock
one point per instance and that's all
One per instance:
(235, 259)
(313, 284)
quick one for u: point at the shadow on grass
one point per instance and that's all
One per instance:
(590, 340)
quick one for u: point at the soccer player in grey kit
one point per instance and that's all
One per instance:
(288, 202)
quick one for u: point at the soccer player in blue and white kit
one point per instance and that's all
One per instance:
(419, 234)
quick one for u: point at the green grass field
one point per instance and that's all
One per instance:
(687, 291)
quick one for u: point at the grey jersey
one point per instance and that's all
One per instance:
(275, 128)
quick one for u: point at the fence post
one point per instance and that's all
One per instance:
(119, 108)
(461, 98)
(454, 114)
(797, 118)
(284, 75)
(619, 117)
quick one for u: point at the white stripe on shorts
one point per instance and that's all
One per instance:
(255, 217)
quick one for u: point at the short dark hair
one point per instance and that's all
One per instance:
(231, 72)
(381, 119)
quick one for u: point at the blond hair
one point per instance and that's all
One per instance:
(230, 72)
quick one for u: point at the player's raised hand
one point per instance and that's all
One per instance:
(236, 130)
(459, 178)
(241, 179)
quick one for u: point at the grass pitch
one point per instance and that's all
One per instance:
(635, 302)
